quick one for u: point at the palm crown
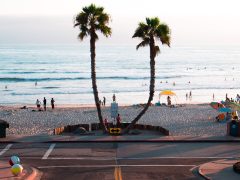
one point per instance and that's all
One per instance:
(92, 18)
(150, 30)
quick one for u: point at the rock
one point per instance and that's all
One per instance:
(80, 130)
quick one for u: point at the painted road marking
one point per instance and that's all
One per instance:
(118, 173)
(5, 149)
(48, 152)
(83, 158)
(141, 158)
(122, 165)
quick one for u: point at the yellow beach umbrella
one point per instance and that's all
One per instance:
(167, 93)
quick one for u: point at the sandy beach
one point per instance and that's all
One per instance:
(189, 119)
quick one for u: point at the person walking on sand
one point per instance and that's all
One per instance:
(44, 104)
(53, 103)
(38, 103)
(114, 98)
(104, 101)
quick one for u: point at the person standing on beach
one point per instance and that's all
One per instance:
(114, 98)
(38, 103)
(118, 120)
(44, 104)
(238, 98)
(52, 103)
(213, 97)
(104, 101)
(190, 95)
(186, 96)
(169, 101)
(106, 123)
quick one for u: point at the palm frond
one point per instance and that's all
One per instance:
(144, 43)
(82, 35)
(98, 11)
(84, 29)
(166, 40)
(163, 33)
(141, 31)
(148, 21)
(81, 18)
(154, 22)
(162, 29)
(89, 9)
(92, 17)
(103, 18)
(105, 30)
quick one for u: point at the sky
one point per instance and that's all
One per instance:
(192, 22)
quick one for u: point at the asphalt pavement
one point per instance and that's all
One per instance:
(119, 160)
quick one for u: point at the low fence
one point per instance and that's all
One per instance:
(97, 126)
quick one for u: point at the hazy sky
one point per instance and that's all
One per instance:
(207, 22)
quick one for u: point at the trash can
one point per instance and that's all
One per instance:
(233, 128)
(3, 126)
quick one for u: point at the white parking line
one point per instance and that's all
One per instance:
(141, 158)
(122, 165)
(5, 149)
(48, 152)
(84, 158)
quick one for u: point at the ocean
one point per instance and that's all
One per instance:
(62, 72)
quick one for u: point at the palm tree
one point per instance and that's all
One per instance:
(149, 32)
(90, 20)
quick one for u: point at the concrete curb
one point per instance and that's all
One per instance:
(218, 169)
(202, 174)
(29, 173)
(124, 141)
(35, 175)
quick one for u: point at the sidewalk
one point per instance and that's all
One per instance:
(219, 170)
(29, 173)
(108, 138)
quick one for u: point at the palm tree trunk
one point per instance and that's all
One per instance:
(151, 86)
(94, 83)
